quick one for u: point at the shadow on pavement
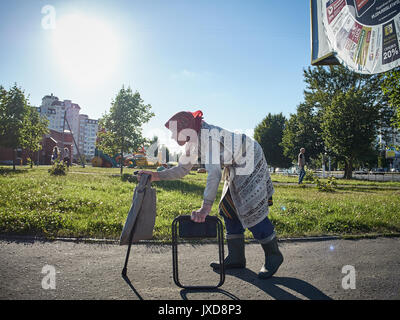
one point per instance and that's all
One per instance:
(184, 293)
(132, 287)
(272, 286)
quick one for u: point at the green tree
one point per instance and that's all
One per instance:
(387, 124)
(391, 88)
(269, 134)
(327, 87)
(13, 110)
(349, 127)
(32, 132)
(303, 130)
(123, 124)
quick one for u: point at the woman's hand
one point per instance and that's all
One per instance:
(154, 175)
(201, 214)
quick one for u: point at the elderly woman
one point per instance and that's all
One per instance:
(247, 185)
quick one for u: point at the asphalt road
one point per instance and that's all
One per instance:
(311, 270)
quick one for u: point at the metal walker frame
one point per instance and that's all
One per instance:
(211, 228)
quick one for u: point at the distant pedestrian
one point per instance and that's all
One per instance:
(66, 156)
(301, 162)
(55, 155)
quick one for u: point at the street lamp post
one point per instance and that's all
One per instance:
(329, 157)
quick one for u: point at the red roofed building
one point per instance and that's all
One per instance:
(49, 141)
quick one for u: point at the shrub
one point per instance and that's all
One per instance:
(328, 186)
(309, 175)
(59, 168)
(30, 161)
(128, 177)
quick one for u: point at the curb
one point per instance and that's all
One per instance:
(17, 238)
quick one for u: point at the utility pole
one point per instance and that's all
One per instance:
(329, 165)
(77, 149)
(62, 152)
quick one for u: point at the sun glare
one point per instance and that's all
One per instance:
(85, 48)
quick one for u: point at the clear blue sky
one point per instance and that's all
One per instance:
(234, 60)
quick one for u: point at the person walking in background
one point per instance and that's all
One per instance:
(66, 157)
(301, 162)
(55, 155)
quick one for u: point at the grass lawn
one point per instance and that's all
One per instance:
(94, 202)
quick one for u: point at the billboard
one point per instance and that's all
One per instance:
(363, 35)
(321, 51)
(392, 153)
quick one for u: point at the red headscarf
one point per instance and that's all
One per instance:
(187, 120)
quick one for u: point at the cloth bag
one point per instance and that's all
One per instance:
(142, 214)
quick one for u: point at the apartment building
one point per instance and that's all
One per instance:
(392, 138)
(87, 135)
(84, 130)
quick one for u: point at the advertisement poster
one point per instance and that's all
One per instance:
(364, 34)
(321, 51)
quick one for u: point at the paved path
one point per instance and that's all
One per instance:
(348, 186)
(311, 270)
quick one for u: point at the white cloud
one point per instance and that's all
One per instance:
(191, 75)
(185, 74)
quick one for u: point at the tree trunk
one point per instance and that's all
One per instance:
(348, 169)
(14, 158)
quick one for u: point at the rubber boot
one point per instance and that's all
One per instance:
(273, 259)
(236, 258)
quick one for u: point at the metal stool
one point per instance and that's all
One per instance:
(211, 228)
